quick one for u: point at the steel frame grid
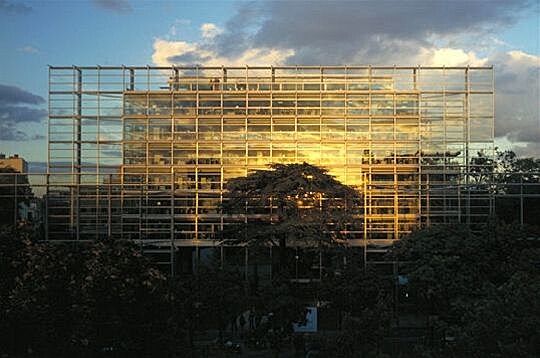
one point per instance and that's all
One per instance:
(442, 191)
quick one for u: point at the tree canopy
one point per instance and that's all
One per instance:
(58, 300)
(299, 203)
(476, 285)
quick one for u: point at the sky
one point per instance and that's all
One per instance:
(35, 34)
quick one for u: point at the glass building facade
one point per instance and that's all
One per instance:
(143, 153)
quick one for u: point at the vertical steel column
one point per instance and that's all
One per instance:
(172, 248)
(78, 131)
(221, 256)
(47, 177)
(173, 175)
(492, 138)
(15, 200)
(419, 138)
(176, 79)
(98, 189)
(467, 142)
(109, 208)
(364, 185)
(521, 199)
(131, 79)
(445, 146)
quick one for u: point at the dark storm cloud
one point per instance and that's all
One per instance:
(17, 106)
(330, 21)
(11, 116)
(237, 36)
(12, 7)
(16, 95)
(189, 58)
(528, 150)
(120, 6)
(9, 133)
(15, 114)
(335, 31)
(388, 32)
(517, 95)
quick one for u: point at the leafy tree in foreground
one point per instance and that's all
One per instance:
(12, 266)
(83, 298)
(504, 322)
(363, 298)
(280, 303)
(212, 298)
(289, 205)
(458, 275)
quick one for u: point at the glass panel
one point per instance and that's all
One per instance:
(184, 104)
(159, 105)
(134, 129)
(159, 154)
(184, 154)
(184, 129)
(159, 129)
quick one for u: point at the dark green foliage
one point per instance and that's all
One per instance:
(479, 287)
(210, 299)
(64, 299)
(280, 303)
(308, 205)
(504, 322)
(509, 167)
(289, 205)
(363, 298)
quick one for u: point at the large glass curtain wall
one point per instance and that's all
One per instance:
(143, 153)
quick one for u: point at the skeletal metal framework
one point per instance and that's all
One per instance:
(142, 153)
(404, 136)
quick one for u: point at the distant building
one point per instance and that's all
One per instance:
(17, 201)
(15, 162)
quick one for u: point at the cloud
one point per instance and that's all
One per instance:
(357, 32)
(451, 57)
(11, 7)
(337, 31)
(174, 29)
(414, 32)
(18, 106)
(190, 57)
(119, 6)
(527, 150)
(16, 95)
(517, 97)
(165, 50)
(167, 53)
(28, 49)
(209, 30)
(15, 114)
(331, 21)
